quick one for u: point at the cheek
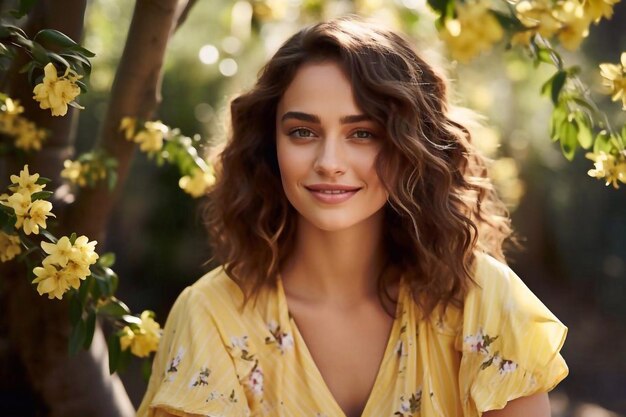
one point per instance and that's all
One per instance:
(291, 163)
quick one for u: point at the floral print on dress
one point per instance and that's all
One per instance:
(410, 405)
(255, 380)
(480, 343)
(201, 378)
(282, 339)
(216, 395)
(173, 364)
(241, 344)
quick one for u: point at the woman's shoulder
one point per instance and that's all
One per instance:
(215, 290)
(493, 283)
(491, 271)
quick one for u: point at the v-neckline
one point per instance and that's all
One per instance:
(389, 348)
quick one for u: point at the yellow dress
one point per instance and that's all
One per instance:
(214, 361)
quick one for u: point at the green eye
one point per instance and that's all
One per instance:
(363, 134)
(301, 133)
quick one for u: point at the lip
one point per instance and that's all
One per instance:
(321, 192)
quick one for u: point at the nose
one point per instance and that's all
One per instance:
(329, 161)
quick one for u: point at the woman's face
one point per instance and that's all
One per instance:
(327, 149)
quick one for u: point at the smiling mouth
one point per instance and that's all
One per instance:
(332, 194)
(333, 191)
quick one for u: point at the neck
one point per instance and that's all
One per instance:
(338, 268)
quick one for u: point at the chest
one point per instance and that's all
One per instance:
(347, 350)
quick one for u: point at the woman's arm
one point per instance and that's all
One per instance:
(536, 405)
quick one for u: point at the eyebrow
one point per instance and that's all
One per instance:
(306, 117)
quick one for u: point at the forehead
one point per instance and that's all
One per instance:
(318, 88)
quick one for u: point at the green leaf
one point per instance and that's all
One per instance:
(90, 327)
(41, 195)
(602, 142)
(54, 37)
(568, 134)
(84, 51)
(107, 260)
(557, 85)
(84, 62)
(75, 309)
(104, 285)
(124, 360)
(84, 290)
(114, 352)
(585, 136)
(73, 238)
(43, 181)
(559, 116)
(48, 235)
(40, 54)
(77, 338)
(146, 369)
(115, 308)
(60, 59)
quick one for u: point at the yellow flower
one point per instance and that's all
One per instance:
(575, 24)
(27, 135)
(128, 126)
(56, 92)
(614, 78)
(597, 9)
(151, 138)
(9, 247)
(58, 253)
(12, 107)
(197, 183)
(38, 213)
(473, 31)
(50, 281)
(537, 15)
(20, 204)
(607, 167)
(126, 339)
(144, 339)
(73, 259)
(26, 183)
(85, 250)
(74, 171)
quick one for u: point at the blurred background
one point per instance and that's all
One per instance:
(572, 227)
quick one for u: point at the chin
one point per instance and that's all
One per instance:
(332, 223)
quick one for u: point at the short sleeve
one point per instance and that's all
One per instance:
(510, 341)
(192, 373)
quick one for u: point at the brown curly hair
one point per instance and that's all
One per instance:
(442, 207)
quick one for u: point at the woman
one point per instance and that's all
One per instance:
(356, 216)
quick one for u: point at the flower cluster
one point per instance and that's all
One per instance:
(80, 173)
(474, 30)
(197, 183)
(608, 167)
(150, 138)
(569, 20)
(614, 78)
(65, 266)
(25, 133)
(54, 92)
(31, 215)
(143, 337)
(9, 247)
